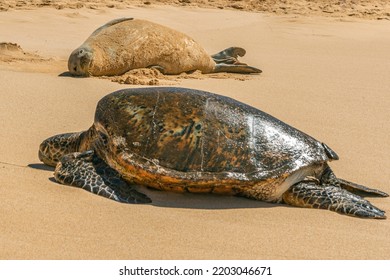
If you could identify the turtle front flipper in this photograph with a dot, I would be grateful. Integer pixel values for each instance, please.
(310, 194)
(227, 61)
(87, 171)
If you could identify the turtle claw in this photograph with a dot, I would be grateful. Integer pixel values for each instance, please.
(83, 156)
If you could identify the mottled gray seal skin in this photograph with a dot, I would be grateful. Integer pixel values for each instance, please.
(125, 44)
(178, 139)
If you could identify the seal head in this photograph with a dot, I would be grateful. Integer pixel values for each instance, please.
(79, 62)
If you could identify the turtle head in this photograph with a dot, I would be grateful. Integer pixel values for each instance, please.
(79, 61)
(54, 148)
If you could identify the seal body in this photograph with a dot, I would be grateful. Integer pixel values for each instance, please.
(125, 44)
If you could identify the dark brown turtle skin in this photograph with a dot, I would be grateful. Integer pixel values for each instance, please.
(178, 139)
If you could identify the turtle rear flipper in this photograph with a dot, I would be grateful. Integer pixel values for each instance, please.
(328, 177)
(310, 194)
(227, 61)
(87, 171)
(356, 188)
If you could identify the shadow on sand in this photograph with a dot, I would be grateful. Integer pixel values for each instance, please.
(41, 166)
(184, 200)
(68, 74)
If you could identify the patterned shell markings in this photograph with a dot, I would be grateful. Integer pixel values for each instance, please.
(206, 133)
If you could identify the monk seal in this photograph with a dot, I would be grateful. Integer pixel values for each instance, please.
(127, 43)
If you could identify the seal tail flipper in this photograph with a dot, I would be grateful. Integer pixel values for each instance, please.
(87, 171)
(310, 194)
(231, 68)
(227, 61)
(229, 55)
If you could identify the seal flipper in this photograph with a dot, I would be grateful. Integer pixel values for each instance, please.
(229, 55)
(227, 61)
(310, 194)
(87, 171)
(110, 23)
(232, 68)
(157, 67)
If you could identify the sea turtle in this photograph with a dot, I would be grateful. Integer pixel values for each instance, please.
(126, 43)
(178, 139)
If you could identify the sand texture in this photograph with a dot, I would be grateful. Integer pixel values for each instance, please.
(325, 76)
(368, 9)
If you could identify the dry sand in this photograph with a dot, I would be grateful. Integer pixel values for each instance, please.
(368, 9)
(325, 76)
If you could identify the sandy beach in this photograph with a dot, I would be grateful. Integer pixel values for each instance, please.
(327, 75)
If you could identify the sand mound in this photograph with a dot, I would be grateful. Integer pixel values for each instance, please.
(9, 48)
(142, 76)
(12, 52)
(13, 57)
(149, 76)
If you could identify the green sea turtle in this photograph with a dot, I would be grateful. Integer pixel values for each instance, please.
(178, 139)
(126, 43)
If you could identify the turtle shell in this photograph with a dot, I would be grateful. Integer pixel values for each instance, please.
(174, 136)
